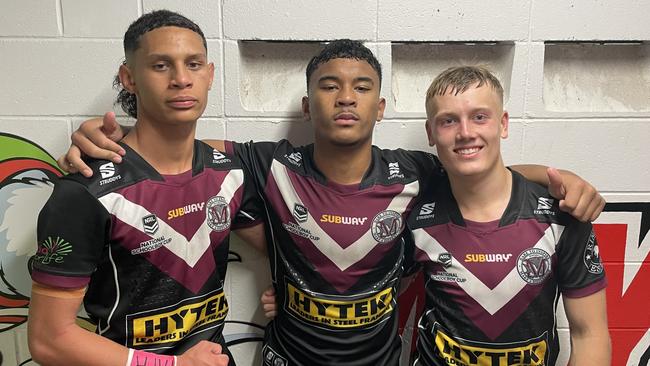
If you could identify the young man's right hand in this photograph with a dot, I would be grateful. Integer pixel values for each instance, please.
(96, 138)
(204, 353)
(268, 303)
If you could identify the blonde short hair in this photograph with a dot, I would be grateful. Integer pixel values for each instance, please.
(458, 79)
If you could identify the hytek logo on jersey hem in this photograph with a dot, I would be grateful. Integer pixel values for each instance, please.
(52, 250)
(170, 324)
(338, 312)
(531, 352)
(107, 172)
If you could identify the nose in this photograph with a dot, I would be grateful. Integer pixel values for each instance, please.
(464, 130)
(181, 78)
(346, 97)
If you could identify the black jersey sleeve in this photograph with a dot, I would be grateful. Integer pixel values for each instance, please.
(72, 232)
(252, 208)
(580, 270)
(411, 264)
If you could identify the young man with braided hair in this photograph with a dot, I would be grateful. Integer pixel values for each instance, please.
(144, 244)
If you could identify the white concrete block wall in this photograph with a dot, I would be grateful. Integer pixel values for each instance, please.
(576, 73)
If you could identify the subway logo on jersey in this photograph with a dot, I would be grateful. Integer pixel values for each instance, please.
(170, 324)
(462, 352)
(340, 312)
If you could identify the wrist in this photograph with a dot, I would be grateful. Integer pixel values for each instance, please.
(142, 358)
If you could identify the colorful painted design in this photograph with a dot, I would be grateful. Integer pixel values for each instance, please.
(53, 250)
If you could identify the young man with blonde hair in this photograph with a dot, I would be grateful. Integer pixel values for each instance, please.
(496, 250)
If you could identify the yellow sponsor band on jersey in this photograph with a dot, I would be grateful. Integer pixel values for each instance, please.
(172, 325)
(464, 353)
(340, 314)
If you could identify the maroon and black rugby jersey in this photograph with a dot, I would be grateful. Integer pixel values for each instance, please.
(492, 288)
(152, 249)
(336, 254)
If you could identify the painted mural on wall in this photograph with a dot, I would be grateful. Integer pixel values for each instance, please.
(27, 173)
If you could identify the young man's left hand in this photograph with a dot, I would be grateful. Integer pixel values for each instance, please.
(577, 197)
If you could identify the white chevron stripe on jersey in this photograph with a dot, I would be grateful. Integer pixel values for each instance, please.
(189, 251)
(492, 300)
(343, 258)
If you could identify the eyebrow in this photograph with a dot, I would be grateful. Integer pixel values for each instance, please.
(336, 78)
(167, 57)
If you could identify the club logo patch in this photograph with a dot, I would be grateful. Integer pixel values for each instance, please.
(300, 212)
(534, 265)
(150, 224)
(218, 213)
(386, 226)
(592, 257)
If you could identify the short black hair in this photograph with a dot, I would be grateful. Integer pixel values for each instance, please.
(146, 23)
(343, 48)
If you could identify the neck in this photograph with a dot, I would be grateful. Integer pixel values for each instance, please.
(343, 164)
(485, 197)
(167, 148)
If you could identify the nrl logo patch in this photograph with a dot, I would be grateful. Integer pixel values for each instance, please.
(444, 259)
(300, 212)
(150, 224)
(534, 265)
(386, 226)
(218, 213)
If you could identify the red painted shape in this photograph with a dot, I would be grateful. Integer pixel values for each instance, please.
(414, 294)
(628, 314)
(10, 167)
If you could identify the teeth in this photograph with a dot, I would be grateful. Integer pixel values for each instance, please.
(468, 151)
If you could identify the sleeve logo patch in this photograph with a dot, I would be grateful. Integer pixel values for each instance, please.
(592, 256)
(52, 250)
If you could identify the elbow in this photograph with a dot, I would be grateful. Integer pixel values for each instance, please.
(40, 348)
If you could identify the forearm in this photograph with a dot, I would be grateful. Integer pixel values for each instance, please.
(55, 338)
(532, 172)
(591, 350)
(74, 346)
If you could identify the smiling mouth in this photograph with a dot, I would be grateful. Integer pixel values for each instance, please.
(465, 151)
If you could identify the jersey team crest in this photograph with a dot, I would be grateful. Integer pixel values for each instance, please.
(218, 213)
(386, 226)
(534, 265)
